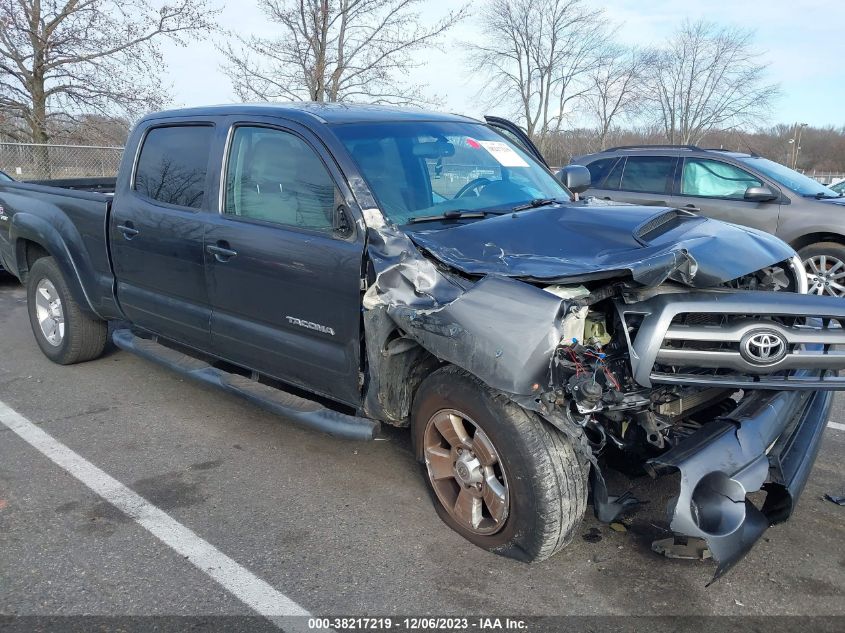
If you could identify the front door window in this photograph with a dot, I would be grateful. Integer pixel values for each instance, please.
(715, 179)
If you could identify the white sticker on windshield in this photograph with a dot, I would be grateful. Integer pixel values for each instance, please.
(503, 153)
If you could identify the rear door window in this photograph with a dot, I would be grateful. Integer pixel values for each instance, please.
(173, 164)
(649, 174)
(715, 179)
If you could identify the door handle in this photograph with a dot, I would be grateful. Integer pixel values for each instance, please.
(128, 230)
(606, 198)
(221, 251)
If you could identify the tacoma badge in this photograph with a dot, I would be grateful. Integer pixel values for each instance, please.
(309, 325)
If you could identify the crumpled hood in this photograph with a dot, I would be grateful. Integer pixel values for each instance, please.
(583, 241)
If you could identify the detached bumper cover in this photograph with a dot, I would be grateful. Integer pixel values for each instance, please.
(768, 443)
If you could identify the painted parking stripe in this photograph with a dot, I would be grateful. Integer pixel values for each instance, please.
(236, 579)
(836, 425)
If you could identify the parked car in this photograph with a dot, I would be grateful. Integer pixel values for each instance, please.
(528, 339)
(735, 187)
(839, 188)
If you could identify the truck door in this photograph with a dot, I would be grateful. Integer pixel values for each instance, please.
(156, 232)
(515, 134)
(284, 282)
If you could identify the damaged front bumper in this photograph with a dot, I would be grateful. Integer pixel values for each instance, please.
(769, 443)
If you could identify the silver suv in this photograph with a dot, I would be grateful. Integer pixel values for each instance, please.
(740, 188)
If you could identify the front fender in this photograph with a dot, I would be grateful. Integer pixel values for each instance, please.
(795, 230)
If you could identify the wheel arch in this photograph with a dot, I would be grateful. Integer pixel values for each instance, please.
(814, 238)
(397, 366)
(33, 238)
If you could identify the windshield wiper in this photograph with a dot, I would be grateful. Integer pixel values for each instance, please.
(821, 195)
(452, 214)
(536, 202)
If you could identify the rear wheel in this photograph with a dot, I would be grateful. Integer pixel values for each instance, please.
(63, 332)
(500, 476)
(825, 266)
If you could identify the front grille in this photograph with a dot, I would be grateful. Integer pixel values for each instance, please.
(720, 339)
(698, 318)
(753, 345)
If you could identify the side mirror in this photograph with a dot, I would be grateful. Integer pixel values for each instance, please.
(576, 178)
(759, 194)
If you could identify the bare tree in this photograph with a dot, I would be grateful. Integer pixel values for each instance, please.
(335, 50)
(537, 55)
(708, 77)
(616, 88)
(60, 58)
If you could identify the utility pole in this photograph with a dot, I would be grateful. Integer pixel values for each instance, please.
(796, 143)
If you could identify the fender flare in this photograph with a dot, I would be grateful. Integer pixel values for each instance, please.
(26, 226)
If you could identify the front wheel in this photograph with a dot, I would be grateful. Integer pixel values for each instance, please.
(64, 333)
(499, 475)
(824, 263)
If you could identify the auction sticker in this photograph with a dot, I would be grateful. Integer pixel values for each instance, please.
(503, 153)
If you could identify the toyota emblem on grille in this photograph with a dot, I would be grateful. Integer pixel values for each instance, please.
(763, 347)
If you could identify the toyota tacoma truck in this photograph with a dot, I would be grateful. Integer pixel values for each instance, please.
(351, 266)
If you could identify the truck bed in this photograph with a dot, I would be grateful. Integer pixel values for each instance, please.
(32, 213)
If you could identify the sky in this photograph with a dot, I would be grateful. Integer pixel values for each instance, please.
(803, 41)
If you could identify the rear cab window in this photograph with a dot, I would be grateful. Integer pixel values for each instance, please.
(173, 164)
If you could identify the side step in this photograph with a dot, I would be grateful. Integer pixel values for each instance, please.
(302, 411)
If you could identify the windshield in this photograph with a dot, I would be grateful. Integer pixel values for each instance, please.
(4, 176)
(789, 178)
(421, 169)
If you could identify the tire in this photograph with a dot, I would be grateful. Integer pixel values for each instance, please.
(833, 273)
(82, 338)
(546, 486)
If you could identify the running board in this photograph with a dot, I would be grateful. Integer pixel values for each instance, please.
(300, 410)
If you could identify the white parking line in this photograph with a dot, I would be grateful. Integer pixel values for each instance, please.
(237, 580)
(836, 425)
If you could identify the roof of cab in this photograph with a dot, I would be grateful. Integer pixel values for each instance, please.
(331, 113)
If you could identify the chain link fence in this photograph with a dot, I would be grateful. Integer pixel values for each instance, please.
(824, 177)
(31, 161)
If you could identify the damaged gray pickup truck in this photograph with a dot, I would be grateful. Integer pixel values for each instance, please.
(347, 266)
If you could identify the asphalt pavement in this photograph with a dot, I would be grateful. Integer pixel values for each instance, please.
(338, 527)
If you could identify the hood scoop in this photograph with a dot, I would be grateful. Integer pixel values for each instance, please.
(660, 224)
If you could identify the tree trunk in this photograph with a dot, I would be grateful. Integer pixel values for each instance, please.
(38, 130)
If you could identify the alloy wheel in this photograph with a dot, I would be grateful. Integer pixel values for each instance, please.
(825, 275)
(466, 472)
(49, 312)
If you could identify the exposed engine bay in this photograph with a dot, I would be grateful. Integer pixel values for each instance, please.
(596, 388)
